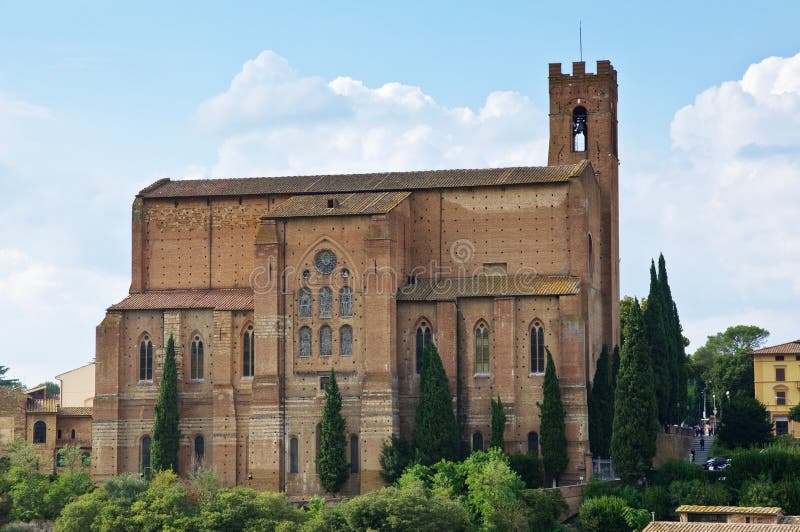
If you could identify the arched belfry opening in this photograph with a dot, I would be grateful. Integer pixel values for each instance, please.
(579, 129)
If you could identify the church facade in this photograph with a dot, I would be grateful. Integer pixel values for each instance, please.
(268, 283)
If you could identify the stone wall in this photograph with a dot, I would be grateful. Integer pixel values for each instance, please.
(674, 445)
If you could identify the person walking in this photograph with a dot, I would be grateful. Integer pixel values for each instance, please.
(691, 452)
(702, 443)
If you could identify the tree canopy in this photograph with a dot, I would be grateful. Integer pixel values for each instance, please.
(745, 422)
(601, 407)
(436, 435)
(553, 437)
(166, 434)
(7, 382)
(332, 452)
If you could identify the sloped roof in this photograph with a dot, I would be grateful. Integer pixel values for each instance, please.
(220, 299)
(787, 348)
(345, 204)
(377, 182)
(448, 288)
(747, 510)
(672, 526)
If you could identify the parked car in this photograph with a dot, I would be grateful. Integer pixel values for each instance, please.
(717, 463)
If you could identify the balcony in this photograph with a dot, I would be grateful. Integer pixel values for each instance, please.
(42, 405)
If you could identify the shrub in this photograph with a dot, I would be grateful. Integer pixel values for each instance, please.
(528, 467)
(657, 499)
(494, 492)
(162, 505)
(773, 463)
(697, 492)
(82, 514)
(544, 508)
(244, 508)
(603, 513)
(761, 493)
(598, 488)
(673, 470)
(64, 489)
(395, 457)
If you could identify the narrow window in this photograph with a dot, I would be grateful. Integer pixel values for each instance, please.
(146, 359)
(72, 434)
(780, 374)
(58, 434)
(346, 302)
(477, 441)
(579, 129)
(319, 444)
(482, 349)
(248, 352)
(325, 302)
(293, 455)
(353, 453)
(325, 341)
(591, 257)
(533, 443)
(145, 463)
(196, 370)
(304, 303)
(305, 342)
(40, 432)
(537, 348)
(423, 341)
(780, 398)
(346, 340)
(199, 450)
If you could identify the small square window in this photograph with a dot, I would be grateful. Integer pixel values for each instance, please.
(780, 374)
(780, 398)
(323, 383)
(778, 358)
(797, 357)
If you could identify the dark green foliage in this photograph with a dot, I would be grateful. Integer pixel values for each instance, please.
(553, 437)
(603, 513)
(633, 441)
(723, 363)
(436, 435)
(163, 505)
(527, 466)
(656, 499)
(674, 470)
(745, 422)
(794, 413)
(52, 388)
(659, 349)
(332, 452)
(242, 508)
(600, 488)
(676, 347)
(494, 492)
(784, 494)
(774, 464)
(601, 408)
(544, 509)
(395, 457)
(70, 484)
(699, 492)
(8, 382)
(166, 434)
(498, 423)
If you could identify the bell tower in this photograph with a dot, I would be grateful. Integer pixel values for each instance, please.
(583, 125)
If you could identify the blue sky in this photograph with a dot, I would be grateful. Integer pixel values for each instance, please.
(99, 99)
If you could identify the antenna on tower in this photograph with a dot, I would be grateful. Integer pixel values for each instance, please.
(580, 38)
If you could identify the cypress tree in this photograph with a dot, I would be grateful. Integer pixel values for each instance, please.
(436, 435)
(332, 452)
(656, 337)
(633, 438)
(553, 434)
(601, 408)
(166, 434)
(498, 423)
(677, 350)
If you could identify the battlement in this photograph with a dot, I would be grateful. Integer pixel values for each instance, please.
(604, 70)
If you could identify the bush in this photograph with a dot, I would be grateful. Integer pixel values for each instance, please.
(162, 505)
(494, 492)
(544, 508)
(673, 470)
(773, 463)
(396, 456)
(697, 492)
(64, 489)
(598, 488)
(528, 467)
(656, 499)
(603, 513)
(244, 508)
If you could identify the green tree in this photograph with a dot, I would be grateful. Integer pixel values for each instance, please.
(498, 423)
(676, 347)
(553, 434)
(723, 363)
(332, 452)
(633, 438)
(166, 434)
(745, 422)
(436, 435)
(794, 413)
(601, 408)
(8, 382)
(164, 505)
(605, 513)
(396, 455)
(655, 326)
(494, 492)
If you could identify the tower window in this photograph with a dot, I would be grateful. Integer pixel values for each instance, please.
(353, 453)
(199, 450)
(196, 362)
(579, 129)
(482, 349)
(146, 359)
(423, 341)
(537, 348)
(248, 352)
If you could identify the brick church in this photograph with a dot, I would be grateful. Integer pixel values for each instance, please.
(267, 283)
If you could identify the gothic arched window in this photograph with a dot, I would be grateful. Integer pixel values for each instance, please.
(345, 302)
(482, 349)
(533, 443)
(199, 450)
(346, 340)
(248, 352)
(325, 302)
(146, 359)
(423, 341)
(477, 441)
(145, 455)
(353, 453)
(325, 341)
(579, 129)
(293, 452)
(196, 359)
(72, 434)
(40, 432)
(305, 341)
(537, 348)
(304, 303)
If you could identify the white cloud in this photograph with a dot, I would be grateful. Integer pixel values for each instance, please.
(277, 122)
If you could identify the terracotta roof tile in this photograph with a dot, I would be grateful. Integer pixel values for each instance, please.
(749, 510)
(787, 348)
(345, 204)
(386, 181)
(672, 526)
(448, 288)
(220, 299)
(75, 410)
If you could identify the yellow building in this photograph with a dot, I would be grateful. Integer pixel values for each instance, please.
(777, 382)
